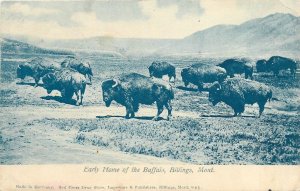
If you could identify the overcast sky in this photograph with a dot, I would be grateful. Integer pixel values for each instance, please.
(131, 18)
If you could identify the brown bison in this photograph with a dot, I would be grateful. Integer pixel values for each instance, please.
(237, 66)
(236, 92)
(261, 65)
(83, 68)
(132, 89)
(277, 63)
(37, 68)
(159, 69)
(68, 82)
(198, 74)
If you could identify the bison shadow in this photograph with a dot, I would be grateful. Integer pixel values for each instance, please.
(59, 99)
(228, 116)
(187, 89)
(149, 118)
(28, 84)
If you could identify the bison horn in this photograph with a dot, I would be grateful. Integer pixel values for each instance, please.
(116, 83)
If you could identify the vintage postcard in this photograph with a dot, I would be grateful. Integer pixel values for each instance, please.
(150, 95)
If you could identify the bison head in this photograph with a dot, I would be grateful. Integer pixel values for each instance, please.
(85, 69)
(261, 66)
(109, 90)
(214, 93)
(269, 64)
(23, 70)
(49, 81)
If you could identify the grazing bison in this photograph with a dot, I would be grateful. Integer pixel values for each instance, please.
(158, 69)
(132, 89)
(198, 74)
(236, 92)
(261, 65)
(68, 82)
(83, 68)
(37, 68)
(277, 63)
(237, 66)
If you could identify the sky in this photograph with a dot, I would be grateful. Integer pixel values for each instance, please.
(131, 18)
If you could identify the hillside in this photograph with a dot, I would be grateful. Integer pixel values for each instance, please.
(16, 47)
(276, 33)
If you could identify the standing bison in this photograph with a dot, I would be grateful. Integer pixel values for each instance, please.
(198, 74)
(158, 69)
(277, 63)
(68, 82)
(132, 89)
(83, 68)
(237, 66)
(236, 92)
(261, 65)
(37, 68)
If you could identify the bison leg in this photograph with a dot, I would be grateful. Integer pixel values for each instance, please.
(261, 108)
(251, 76)
(77, 98)
(160, 109)
(200, 87)
(129, 112)
(186, 83)
(135, 106)
(67, 94)
(246, 76)
(82, 93)
(36, 80)
(293, 72)
(169, 108)
(235, 114)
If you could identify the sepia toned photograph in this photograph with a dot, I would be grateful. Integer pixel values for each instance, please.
(161, 82)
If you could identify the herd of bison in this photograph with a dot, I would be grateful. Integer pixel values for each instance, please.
(72, 75)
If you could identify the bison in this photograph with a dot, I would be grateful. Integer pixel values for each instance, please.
(237, 66)
(132, 89)
(261, 65)
(37, 68)
(277, 63)
(198, 74)
(236, 92)
(68, 82)
(82, 67)
(158, 69)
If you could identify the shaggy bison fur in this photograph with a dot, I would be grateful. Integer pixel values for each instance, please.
(198, 74)
(37, 68)
(159, 69)
(236, 92)
(277, 63)
(83, 68)
(237, 66)
(133, 89)
(68, 82)
(261, 65)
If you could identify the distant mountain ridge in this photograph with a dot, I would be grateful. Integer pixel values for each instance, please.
(275, 34)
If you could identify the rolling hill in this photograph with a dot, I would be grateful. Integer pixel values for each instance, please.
(276, 33)
(16, 47)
